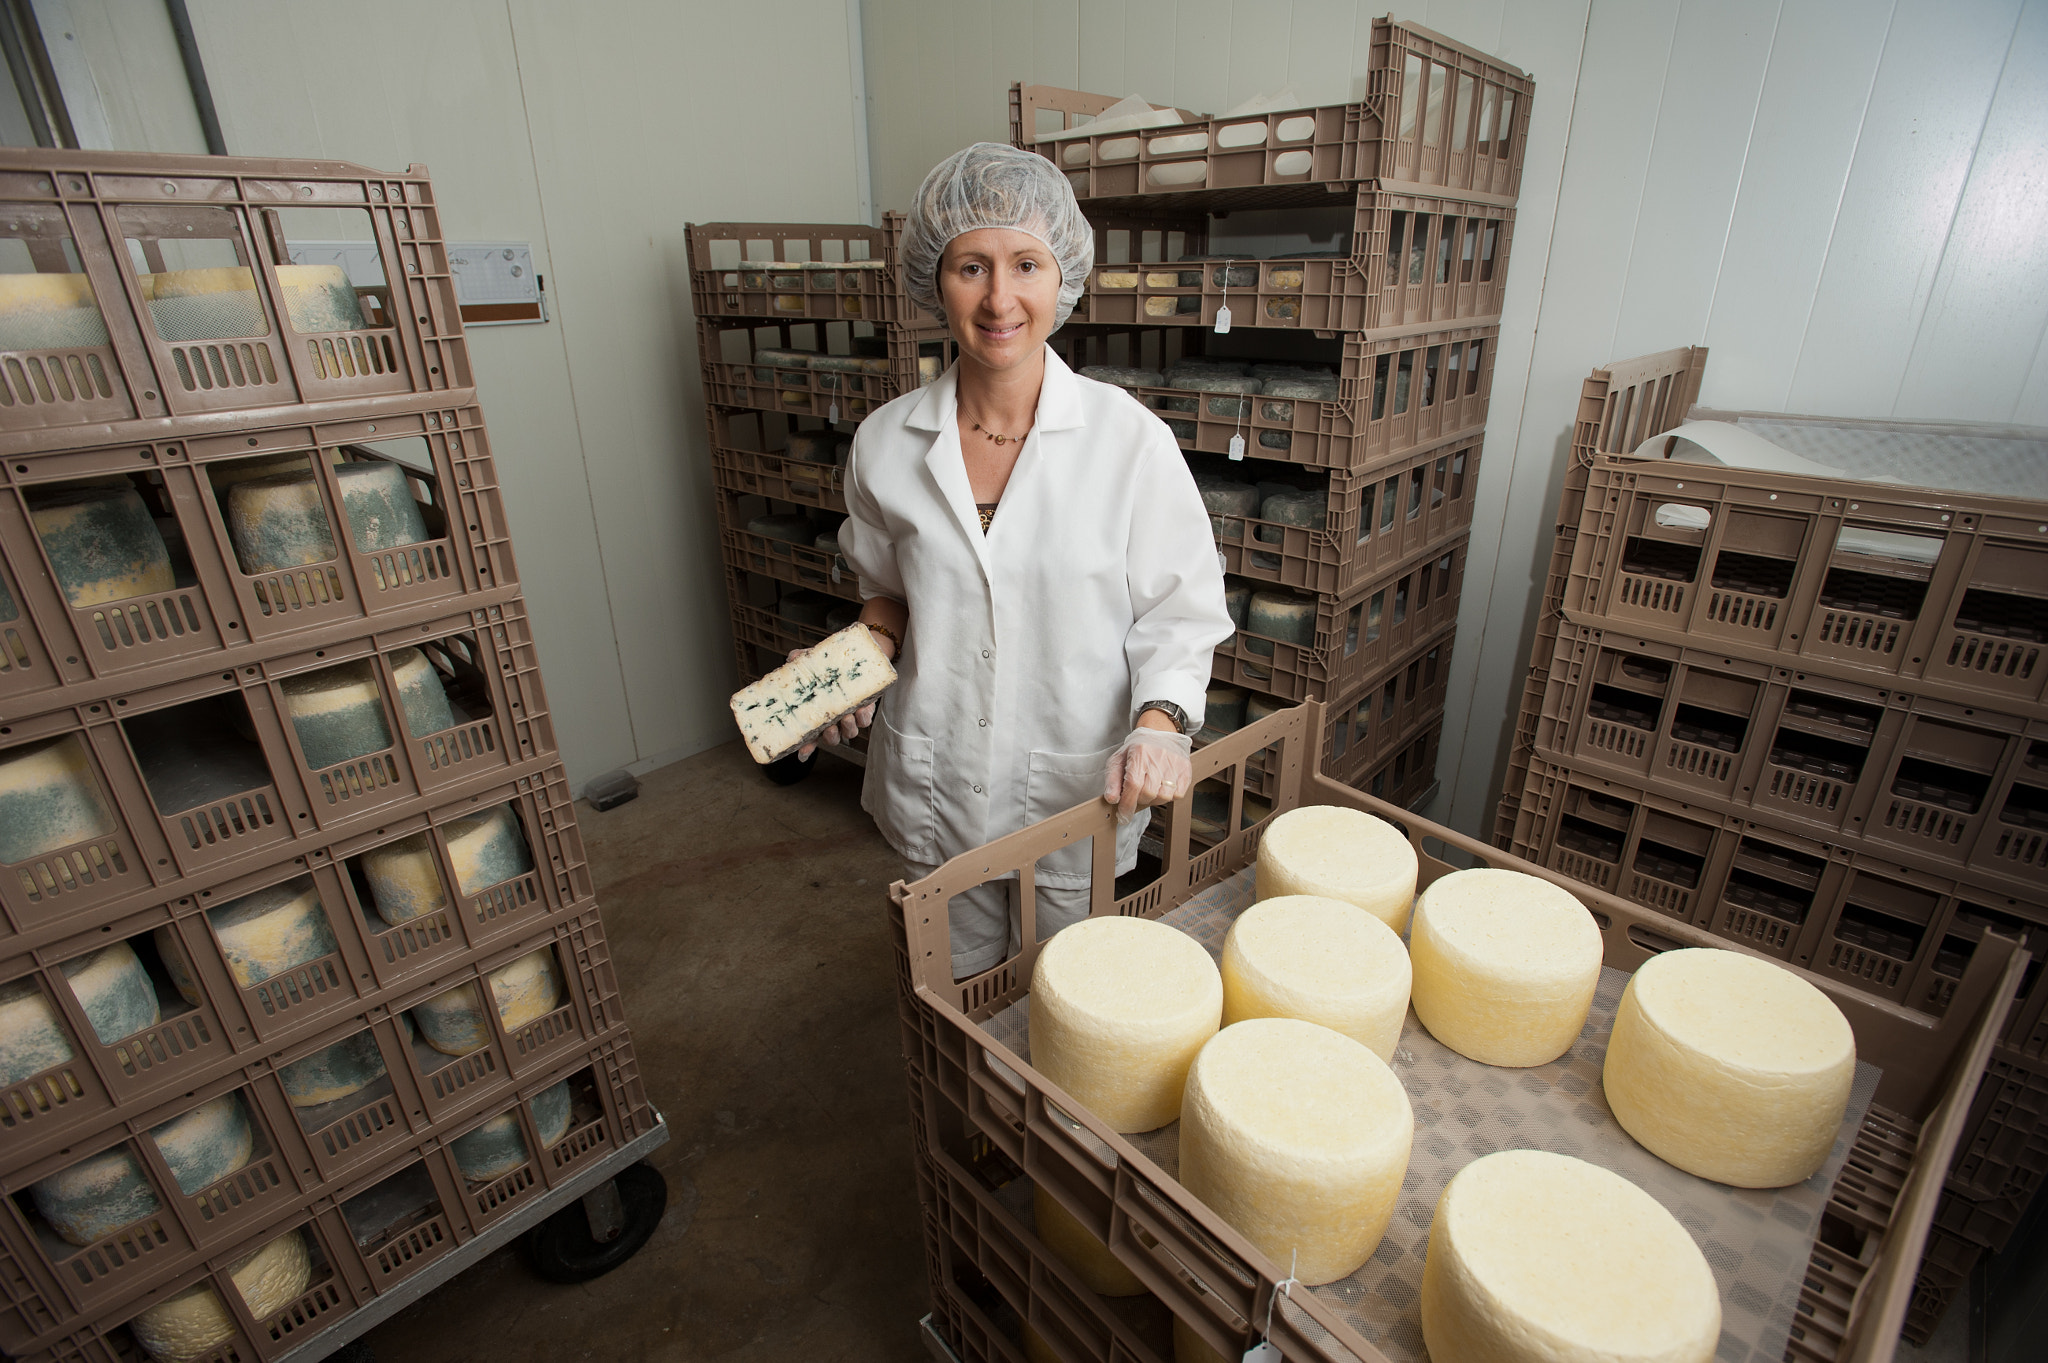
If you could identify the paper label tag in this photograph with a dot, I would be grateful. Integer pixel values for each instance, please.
(1222, 326)
(835, 572)
(832, 412)
(1265, 1351)
(1237, 447)
(1222, 562)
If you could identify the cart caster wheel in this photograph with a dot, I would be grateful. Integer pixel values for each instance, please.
(566, 1247)
(787, 771)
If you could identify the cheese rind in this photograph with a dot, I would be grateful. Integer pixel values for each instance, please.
(114, 989)
(95, 1197)
(206, 1144)
(1322, 961)
(1298, 1138)
(49, 798)
(405, 880)
(378, 505)
(421, 693)
(1119, 1008)
(487, 849)
(31, 1038)
(1505, 966)
(278, 523)
(102, 544)
(1730, 1067)
(192, 1324)
(273, 930)
(348, 1066)
(1079, 1250)
(1339, 854)
(337, 714)
(843, 672)
(1545, 1258)
(499, 1146)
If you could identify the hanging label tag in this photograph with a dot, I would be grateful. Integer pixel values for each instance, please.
(1222, 563)
(835, 572)
(832, 412)
(1222, 326)
(1237, 447)
(1265, 1351)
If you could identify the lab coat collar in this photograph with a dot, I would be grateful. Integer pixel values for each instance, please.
(1059, 399)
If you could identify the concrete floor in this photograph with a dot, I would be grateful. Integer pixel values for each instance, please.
(749, 927)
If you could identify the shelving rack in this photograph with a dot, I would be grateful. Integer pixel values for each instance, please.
(230, 483)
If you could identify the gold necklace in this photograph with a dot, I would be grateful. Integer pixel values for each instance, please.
(999, 439)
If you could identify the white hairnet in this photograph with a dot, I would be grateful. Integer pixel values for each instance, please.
(993, 185)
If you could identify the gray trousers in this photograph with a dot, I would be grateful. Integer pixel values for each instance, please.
(987, 926)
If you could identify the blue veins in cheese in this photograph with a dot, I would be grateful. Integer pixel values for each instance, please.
(49, 798)
(499, 1146)
(779, 712)
(102, 544)
(378, 505)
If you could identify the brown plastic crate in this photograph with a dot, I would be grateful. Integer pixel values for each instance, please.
(1378, 517)
(135, 360)
(728, 351)
(1943, 1280)
(1855, 1286)
(216, 608)
(1766, 580)
(1355, 635)
(1437, 114)
(1413, 260)
(827, 271)
(795, 565)
(2003, 1155)
(749, 454)
(1623, 404)
(1397, 393)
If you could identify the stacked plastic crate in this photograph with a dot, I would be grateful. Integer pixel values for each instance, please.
(1331, 405)
(803, 329)
(1808, 715)
(305, 999)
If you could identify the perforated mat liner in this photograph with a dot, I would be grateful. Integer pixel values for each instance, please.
(1757, 1241)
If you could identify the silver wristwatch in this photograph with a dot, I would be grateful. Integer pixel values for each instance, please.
(1172, 712)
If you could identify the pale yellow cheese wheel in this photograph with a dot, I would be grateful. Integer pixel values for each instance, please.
(1505, 966)
(1077, 1248)
(1339, 854)
(196, 1321)
(1542, 1258)
(1730, 1067)
(1119, 1007)
(1320, 960)
(1298, 1137)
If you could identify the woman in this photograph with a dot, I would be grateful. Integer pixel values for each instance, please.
(1032, 554)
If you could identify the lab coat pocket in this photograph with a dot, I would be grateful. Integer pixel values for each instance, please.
(898, 791)
(1057, 782)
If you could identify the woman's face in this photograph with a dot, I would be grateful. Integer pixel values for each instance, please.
(1001, 290)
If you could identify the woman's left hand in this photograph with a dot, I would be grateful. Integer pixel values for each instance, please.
(1152, 767)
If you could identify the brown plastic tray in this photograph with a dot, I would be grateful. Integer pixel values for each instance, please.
(217, 610)
(1397, 393)
(1853, 1300)
(1355, 635)
(772, 475)
(733, 271)
(727, 351)
(1414, 260)
(1438, 116)
(793, 564)
(98, 213)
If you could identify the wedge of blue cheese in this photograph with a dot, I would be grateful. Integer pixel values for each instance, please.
(777, 713)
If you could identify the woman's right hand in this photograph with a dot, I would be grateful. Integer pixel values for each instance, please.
(844, 729)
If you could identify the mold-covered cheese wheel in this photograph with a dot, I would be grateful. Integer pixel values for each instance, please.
(1541, 1256)
(378, 505)
(31, 1037)
(1225, 498)
(453, 1021)
(348, 1066)
(279, 523)
(405, 880)
(320, 298)
(1340, 854)
(114, 989)
(1079, 1250)
(421, 693)
(337, 713)
(1298, 1138)
(261, 935)
(102, 544)
(208, 1143)
(1237, 600)
(1322, 961)
(1505, 966)
(191, 1325)
(1730, 1067)
(812, 447)
(1283, 616)
(1119, 1007)
(487, 849)
(499, 1146)
(95, 1197)
(49, 798)
(49, 312)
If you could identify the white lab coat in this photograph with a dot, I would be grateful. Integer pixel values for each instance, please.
(1097, 588)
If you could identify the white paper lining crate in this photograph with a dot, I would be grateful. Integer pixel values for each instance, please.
(755, 364)
(818, 271)
(169, 291)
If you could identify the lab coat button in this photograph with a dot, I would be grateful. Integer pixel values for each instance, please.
(977, 790)
(984, 653)
(984, 724)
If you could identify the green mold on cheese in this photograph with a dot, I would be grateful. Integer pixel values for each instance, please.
(193, 1324)
(49, 312)
(1304, 389)
(1306, 510)
(498, 1147)
(102, 544)
(337, 713)
(453, 1021)
(114, 991)
(1227, 497)
(1121, 376)
(95, 1197)
(279, 523)
(1257, 708)
(319, 298)
(377, 503)
(487, 849)
(405, 880)
(205, 1145)
(421, 693)
(348, 1066)
(1283, 616)
(32, 1039)
(262, 935)
(49, 798)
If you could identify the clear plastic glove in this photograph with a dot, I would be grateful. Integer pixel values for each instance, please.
(1152, 767)
(844, 729)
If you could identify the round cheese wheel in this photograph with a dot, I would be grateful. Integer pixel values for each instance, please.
(95, 1197)
(1505, 966)
(1280, 615)
(194, 1323)
(1322, 961)
(272, 931)
(1119, 1007)
(1237, 600)
(1223, 710)
(319, 298)
(527, 989)
(405, 880)
(1076, 1247)
(1730, 1067)
(31, 1037)
(337, 713)
(377, 503)
(499, 1146)
(279, 523)
(115, 990)
(102, 544)
(487, 849)
(453, 1021)
(1298, 1138)
(206, 1144)
(421, 693)
(1339, 854)
(1535, 1256)
(49, 798)
(347, 1067)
